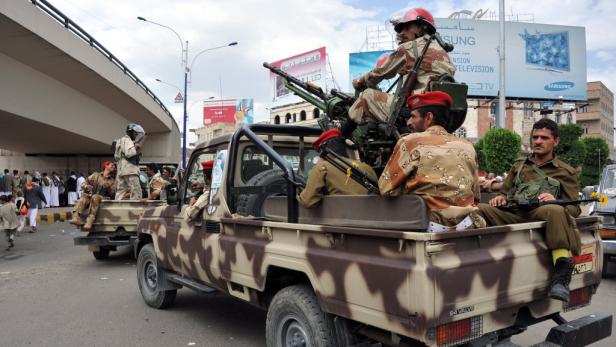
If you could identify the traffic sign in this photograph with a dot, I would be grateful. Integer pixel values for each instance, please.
(179, 99)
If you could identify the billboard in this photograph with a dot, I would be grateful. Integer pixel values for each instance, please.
(542, 61)
(308, 67)
(228, 111)
(362, 62)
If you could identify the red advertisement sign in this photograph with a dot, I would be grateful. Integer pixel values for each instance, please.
(216, 111)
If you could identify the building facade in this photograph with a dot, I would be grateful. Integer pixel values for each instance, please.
(208, 132)
(597, 117)
(300, 113)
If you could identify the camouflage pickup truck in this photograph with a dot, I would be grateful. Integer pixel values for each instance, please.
(115, 225)
(356, 270)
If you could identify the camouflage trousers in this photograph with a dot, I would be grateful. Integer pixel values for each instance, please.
(560, 228)
(88, 205)
(371, 106)
(128, 184)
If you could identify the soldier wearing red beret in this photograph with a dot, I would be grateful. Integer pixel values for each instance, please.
(438, 166)
(202, 196)
(99, 186)
(325, 179)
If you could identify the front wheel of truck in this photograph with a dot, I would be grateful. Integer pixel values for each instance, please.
(147, 278)
(294, 318)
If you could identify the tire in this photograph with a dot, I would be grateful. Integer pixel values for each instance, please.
(147, 276)
(252, 204)
(294, 318)
(101, 254)
(606, 264)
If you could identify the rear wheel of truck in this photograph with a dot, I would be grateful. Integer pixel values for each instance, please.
(606, 266)
(101, 254)
(147, 278)
(294, 318)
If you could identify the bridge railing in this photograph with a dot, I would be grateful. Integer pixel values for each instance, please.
(82, 34)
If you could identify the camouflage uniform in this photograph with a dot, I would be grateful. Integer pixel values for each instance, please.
(103, 188)
(128, 173)
(439, 167)
(193, 210)
(9, 222)
(325, 179)
(374, 104)
(561, 230)
(156, 185)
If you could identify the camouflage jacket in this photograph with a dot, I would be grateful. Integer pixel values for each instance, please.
(101, 185)
(435, 63)
(555, 168)
(155, 186)
(325, 179)
(125, 148)
(438, 166)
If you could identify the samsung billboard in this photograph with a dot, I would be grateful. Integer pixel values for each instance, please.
(542, 61)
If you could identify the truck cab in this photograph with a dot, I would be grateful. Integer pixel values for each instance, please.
(607, 189)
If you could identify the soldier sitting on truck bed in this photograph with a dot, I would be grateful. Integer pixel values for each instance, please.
(202, 196)
(543, 176)
(99, 186)
(413, 31)
(156, 183)
(325, 179)
(436, 165)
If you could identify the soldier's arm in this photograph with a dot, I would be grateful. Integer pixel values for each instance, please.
(394, 63)
(128, 147)
(508, 182)
(157, 187)
(402, 163)
(313, 193)
(570, 188)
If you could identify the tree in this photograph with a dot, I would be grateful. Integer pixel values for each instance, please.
(571, 150)
(501, 147)
(481, 162)
(597, 153)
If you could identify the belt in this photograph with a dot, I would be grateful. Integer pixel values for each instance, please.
(440, 228)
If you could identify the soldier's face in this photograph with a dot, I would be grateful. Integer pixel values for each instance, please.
(543, 141)
(409, 32)
(417, 123)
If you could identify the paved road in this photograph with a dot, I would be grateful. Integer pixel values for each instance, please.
(55, 294)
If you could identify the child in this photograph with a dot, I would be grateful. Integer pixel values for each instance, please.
(8, 220)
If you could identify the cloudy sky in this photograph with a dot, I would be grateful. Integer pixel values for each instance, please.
(275, 29)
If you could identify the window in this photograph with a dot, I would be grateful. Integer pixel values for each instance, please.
(461, 132)
(287, 118)
(294, 117)
(255, 161)
(196, 180)
(494, 108)
(302, 115)
(277, 119)
(316, 113)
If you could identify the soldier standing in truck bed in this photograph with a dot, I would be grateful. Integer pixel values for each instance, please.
(543, 176)
(438, 166)
(326, 179)
(127, 154)
(99, 186)
(414, 29)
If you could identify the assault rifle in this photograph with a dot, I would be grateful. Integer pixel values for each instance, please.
(351, 171)
(523, 204)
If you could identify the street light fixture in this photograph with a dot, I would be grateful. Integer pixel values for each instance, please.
(169, 84)
(186, 73)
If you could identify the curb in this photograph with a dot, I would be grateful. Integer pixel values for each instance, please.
(50, 218)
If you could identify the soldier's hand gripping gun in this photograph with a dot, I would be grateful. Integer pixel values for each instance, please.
(352, 171)
(526, 205)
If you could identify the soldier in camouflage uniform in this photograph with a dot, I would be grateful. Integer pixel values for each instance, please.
(543, 176)
(436, 165)
(201, 199)
(127, 154)
(99, 186)
(8, 220)
(414, 30)
(326, 179)
(156, 184)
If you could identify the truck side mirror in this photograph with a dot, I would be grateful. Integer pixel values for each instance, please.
(172, 193)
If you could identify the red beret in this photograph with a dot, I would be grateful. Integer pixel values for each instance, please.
(436, 98)
(326, 136)
(107, 162)
(207, 165)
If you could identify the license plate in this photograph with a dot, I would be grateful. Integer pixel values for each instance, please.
(585, 262)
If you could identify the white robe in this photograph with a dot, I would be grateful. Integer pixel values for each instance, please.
(54, 200)
(47, 193)
(80, 180)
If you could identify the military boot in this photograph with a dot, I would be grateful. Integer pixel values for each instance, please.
(89, 222)
(76, 220)
(559, 283)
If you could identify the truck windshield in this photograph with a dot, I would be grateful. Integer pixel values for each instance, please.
(609, 183)
(255, 161)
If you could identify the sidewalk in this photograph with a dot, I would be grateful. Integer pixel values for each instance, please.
(54, 214)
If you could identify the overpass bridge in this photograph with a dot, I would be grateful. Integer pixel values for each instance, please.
(62, 94)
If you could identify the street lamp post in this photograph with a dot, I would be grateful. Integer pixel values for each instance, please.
(187, 70)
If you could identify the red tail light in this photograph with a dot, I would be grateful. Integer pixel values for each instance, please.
(460, 331)
(578, 298)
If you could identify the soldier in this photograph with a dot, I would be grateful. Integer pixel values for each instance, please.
(436, 165)
(7, 183)
(8, 220)
(99, 186)
(127, 153)
(543, 176)
(414, 29)
(200, 200)
(326, 179)
(156, 184)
